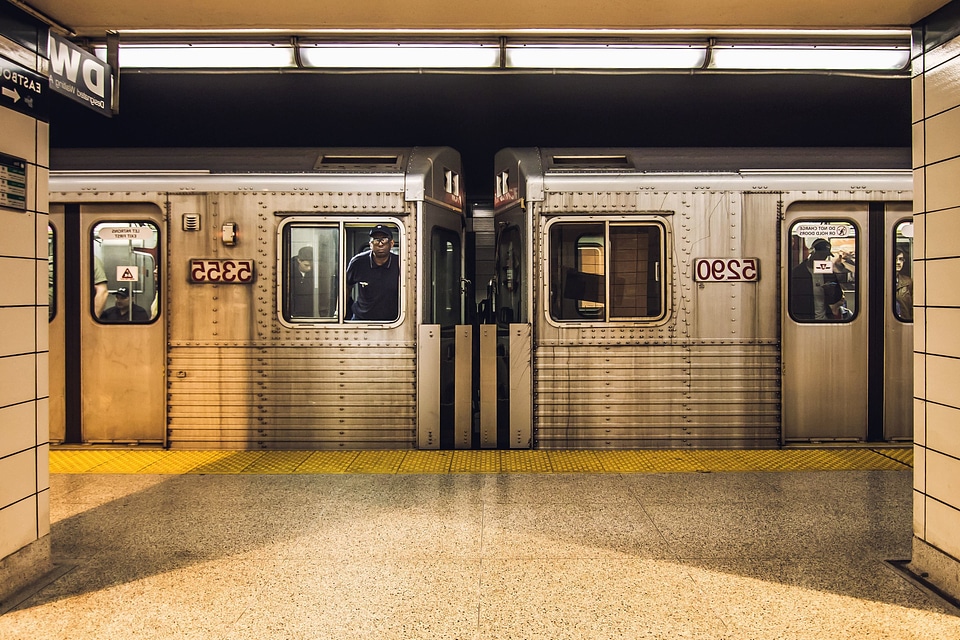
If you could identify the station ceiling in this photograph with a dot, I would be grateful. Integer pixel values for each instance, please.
(479, 114)
(92, 18)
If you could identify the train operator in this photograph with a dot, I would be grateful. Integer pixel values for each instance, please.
(376, 274)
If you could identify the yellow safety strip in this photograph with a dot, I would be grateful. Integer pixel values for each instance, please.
(157, 461)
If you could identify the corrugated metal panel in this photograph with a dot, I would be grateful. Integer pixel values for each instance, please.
(304, 396)
(623, 396)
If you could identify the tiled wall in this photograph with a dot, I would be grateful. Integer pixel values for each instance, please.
(936, 157)
(24, 448)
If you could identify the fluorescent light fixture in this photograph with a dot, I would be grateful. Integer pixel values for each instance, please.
(787, 57)
(401, 56)
(612, 56)
(204, 56)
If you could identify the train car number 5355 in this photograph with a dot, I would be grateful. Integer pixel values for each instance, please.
(726, 270)
(221, 271)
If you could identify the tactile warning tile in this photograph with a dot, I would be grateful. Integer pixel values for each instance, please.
(132, 461)
(901, 455)
(74, 461)
(475, 462)
(233, 462)
(575, 461)
(184, 461)
(327, 462)
(426, 462)
(376, 462)
(525, 462)
(278, 462)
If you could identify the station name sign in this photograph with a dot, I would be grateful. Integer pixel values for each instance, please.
(80, 75)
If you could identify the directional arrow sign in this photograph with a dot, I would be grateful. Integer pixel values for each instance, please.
(23, 90)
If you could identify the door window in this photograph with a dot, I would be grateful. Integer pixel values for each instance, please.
(903, 271)
(443, 297)
(125, 272)
(823, 271)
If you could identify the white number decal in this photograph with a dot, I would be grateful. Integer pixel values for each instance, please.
(726, 270)
(225, 271)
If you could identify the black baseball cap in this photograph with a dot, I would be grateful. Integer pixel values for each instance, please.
(122, 292)
(382, 230)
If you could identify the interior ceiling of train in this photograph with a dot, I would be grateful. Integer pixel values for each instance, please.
(481, 111)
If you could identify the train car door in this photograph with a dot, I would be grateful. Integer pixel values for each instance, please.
(107, 338)
(842, 337)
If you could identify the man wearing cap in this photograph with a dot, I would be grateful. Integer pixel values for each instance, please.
(815, 295)
(301, 283)
(376, 275)
(123, 310)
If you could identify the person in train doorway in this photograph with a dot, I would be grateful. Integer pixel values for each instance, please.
(376, 275)
(123, 310)
(816, 295)
(301, 283)
(903, 298)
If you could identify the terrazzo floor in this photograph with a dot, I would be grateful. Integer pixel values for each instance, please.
(748, 555)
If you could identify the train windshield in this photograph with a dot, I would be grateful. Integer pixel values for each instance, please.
(606, 271)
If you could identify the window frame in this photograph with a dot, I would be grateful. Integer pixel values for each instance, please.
(664, 274)
(791, 298)
(96, 253)
(342, 224)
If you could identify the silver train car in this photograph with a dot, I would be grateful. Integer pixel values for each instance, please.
(699, 298)
(209, 298)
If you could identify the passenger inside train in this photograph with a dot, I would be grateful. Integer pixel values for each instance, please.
(374, 277)
(123, 310)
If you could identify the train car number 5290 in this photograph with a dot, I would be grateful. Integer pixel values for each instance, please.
(221, 271)
(726, 270)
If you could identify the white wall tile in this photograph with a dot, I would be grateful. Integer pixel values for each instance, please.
(42, 281)
(942, 375)
(19, 525)
(919, 469)
(919, 231)
(920, 376)
(43, 513)
(941, 278)
(42, 386)
(43, 145)
(942, 187)
(19, 135)
(919, 328)
(916, 93)
(942, 523)
(942, 429)
(919, 191)
(18, 380)
(920, 283)
(43, 421)
(919, 422)
(942, 334)
(941, 136)
(40, 234)
(42, 465)
(18, 286)
(919, 152)
(42, 328)
(942, 87)
(943, 229)
(19, 473)
(18, 233)
(918, 515)
(18, 327)
(17, 432)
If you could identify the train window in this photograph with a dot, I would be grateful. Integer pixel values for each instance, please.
(311, 271)
(318, 285)
(606, 271)
(51, 273)
(443, 296)
(510, 301)
(125, 272)
(903, 271)
(823, 271)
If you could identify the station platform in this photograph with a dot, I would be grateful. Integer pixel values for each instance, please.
(479, 545)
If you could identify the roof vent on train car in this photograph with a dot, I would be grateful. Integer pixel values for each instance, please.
(591, 162)
(191, 222)
(356, 161)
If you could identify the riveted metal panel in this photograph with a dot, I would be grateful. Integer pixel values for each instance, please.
(520, 387)
(428, 385)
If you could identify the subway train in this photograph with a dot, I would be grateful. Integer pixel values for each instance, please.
(604, 299)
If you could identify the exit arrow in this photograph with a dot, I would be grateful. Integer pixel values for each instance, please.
(13, 94)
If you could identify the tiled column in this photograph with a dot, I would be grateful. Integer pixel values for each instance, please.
(24, 448)
(936, 159)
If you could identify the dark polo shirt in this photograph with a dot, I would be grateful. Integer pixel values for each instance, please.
(378, 296)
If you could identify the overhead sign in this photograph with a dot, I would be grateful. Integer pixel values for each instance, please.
(126, 233)
(22, 90)
(80, 75)
(821, 230)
